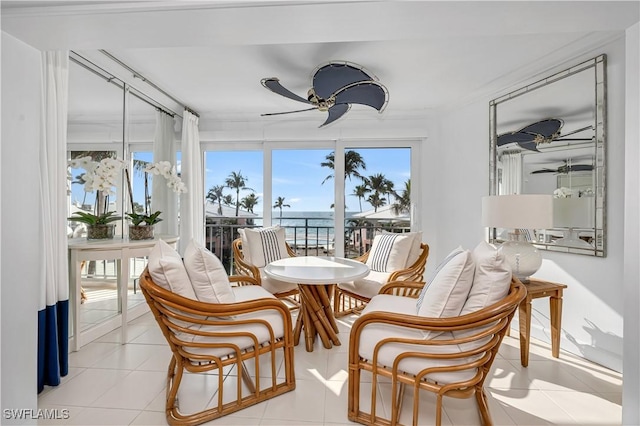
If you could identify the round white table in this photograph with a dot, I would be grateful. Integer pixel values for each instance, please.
(315, 275)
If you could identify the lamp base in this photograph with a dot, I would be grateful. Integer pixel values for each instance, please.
(571, 239)
(525, 259)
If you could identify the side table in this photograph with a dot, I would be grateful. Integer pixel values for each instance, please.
(536, 289)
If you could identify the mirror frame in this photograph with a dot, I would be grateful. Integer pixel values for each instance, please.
(599, 65)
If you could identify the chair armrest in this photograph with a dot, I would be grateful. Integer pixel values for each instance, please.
(362, 258)
(414, 272)
(247, 269)
(403, 288)
(243, 280)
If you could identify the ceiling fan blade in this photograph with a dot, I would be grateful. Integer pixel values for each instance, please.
(549, 128)
(274, 85)
(336, 112)
(535, 172)
(369, 93)
(524, 140)
(331, 77)
(287, 112)
(580, 167)
(514, 137)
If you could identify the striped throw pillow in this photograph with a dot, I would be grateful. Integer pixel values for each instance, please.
(389, 252)
(265, 245)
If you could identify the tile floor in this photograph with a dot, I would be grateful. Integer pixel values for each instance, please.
(114, 384)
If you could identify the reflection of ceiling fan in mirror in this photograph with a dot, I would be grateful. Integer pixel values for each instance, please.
(567, 167)
(335, 86)
(540, 132)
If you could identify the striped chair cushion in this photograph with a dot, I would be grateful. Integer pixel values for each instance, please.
(265, 245)
(389, 252)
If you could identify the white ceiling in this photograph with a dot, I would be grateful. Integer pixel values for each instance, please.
(211, 55)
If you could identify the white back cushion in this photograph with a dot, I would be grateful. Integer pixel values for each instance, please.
(245, 252)
(265, 245)
(415, 251)
(389, 252)
(445, 293)
(167, 270)
(492, 278)
(208, 277)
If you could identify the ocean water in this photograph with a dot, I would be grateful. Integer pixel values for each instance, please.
(308, 229)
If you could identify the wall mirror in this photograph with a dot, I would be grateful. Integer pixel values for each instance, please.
(549, 138)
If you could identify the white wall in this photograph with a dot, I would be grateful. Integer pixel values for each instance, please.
(631, 286)
(593, 303)
(20, 224)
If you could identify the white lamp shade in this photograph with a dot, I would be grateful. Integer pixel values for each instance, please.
(531, 211)
(573, 212)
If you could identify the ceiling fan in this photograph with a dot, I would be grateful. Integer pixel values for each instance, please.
(335, 86)
(540, 132)
(566, 168)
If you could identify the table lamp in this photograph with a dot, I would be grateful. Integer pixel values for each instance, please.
(572, 213)
(515, 212)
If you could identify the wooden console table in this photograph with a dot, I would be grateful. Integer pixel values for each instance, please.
(536, 289)
(122, 250)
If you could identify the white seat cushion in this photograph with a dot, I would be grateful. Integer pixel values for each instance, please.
(275, 286)
(389, 252)
(241, 294)
(446, 291)
(208, 277)
(264, 245)
(368, 286)
(167, 270)
(491, 280)
(374, 333)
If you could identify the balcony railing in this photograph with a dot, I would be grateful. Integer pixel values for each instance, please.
(306, 236)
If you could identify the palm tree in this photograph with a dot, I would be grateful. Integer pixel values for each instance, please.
(279, 204)
(352, 162)
(376, 201)
(215, 194)
(403, 201)
(236, 181)
(227, 200)
(361, 191)
(249, 202)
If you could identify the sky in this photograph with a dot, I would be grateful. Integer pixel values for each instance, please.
(297, 176)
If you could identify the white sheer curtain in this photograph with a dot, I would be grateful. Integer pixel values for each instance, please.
(162, 197)
(53, 313)
(192, 202)
(511, 165)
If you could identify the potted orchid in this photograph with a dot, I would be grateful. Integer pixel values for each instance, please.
(141, 227)
(100, 177)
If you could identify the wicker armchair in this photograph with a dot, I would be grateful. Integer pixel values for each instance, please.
(279, 289)
(453, 361)
(248, 336)
(353, 297)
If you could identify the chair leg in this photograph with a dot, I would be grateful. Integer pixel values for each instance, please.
(174, 376)
(397, 408)
(438, 411)
(248, 380)
(481, 398)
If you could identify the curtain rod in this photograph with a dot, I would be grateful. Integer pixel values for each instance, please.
(109, 78)
(136, 74)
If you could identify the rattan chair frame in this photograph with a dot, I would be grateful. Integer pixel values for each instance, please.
(490, 323)
(242, 267)
(346, 302)
(174, 314)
